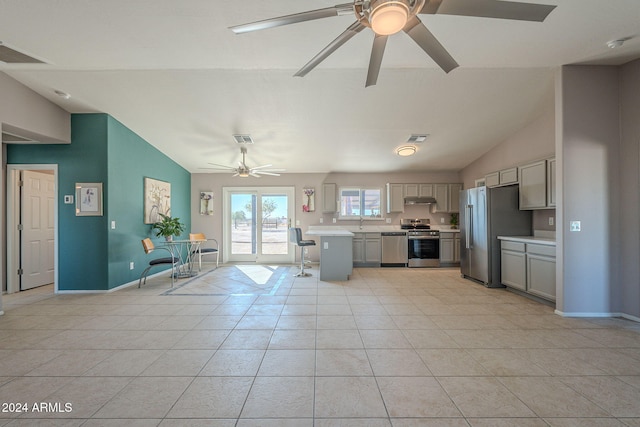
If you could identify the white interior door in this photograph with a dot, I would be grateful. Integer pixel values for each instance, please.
(37, 241)
(256, 224)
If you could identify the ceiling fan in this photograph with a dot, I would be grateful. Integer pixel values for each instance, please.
(243, 171)
(387, 17)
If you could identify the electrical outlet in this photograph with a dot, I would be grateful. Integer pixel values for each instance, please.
(388, 220)
(321, 220)
(334, 220)
(442, 220)
(550, 220)
(131, 265)
(297, 222)
(113, 225)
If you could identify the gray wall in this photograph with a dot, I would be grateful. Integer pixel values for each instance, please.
(629, 212)
(533, 142)
(24, 112)
(588, 167)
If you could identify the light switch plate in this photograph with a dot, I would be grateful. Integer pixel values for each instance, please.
(326, 245)
(388, 220)
(550, 220)
(334, 220)
(574, 226)
(321, 220)
(113, 225)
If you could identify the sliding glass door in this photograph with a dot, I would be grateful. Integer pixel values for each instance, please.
(256, 224)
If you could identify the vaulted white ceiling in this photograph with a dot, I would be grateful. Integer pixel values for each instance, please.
(175, 74)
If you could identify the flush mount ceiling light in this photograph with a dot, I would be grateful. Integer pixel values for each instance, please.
(388, 16)
(406, 150)
(614, 44)
(61, 94)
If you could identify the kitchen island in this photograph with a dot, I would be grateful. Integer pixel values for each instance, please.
(336, 252)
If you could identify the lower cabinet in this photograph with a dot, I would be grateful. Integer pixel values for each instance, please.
(530, 268)
(367, 249)
(449, 248)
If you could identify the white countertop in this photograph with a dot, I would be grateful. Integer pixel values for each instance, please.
(322, 231)
(529, 239)
(370, 228)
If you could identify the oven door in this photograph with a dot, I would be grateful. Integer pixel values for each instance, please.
(424, 251)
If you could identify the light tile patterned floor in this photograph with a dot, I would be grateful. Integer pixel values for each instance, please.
(255, 346)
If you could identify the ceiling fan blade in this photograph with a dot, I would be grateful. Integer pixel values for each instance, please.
(489, 9)
(377, 52)
(267, 173)
(221, 166)
(261, 167)
(353, 29)
(293, 19)
(254, 175)
(427, 41)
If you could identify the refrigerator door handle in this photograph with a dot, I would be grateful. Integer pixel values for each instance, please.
(468, 225)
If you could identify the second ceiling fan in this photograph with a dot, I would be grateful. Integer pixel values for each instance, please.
(387, 17)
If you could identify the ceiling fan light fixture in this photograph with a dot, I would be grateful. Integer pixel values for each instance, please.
(406, 150)
(388, 16)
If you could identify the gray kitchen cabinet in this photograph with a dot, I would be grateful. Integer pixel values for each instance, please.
(425, 190)
(513, 266)
(395, 198)
(441, 193)
(411, 190)
(367, 249)
(529, 267)
(447, 197)
(454, 197)
(533, 186)
(551, 183)
(541, 271)
(329, 198)
(503, 177)
(448, 252)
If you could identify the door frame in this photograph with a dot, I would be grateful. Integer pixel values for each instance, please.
(13, 219)
(226, 217)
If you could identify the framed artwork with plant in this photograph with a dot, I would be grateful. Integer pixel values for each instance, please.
(309, 198)
(206, 203)
(157, 200)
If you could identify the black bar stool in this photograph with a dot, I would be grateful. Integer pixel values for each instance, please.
(295, 236)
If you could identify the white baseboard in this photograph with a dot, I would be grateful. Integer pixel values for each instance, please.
(598, 315)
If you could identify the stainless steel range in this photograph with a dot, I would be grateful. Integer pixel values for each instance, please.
(423, 243)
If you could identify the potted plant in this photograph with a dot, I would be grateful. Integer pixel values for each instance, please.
(168, 227)
(454, 221)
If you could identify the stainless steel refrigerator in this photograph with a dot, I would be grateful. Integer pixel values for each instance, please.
(485, 214)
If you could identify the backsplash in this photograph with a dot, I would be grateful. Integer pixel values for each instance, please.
(541, 220)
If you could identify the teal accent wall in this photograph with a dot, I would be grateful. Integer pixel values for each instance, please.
(92, 256)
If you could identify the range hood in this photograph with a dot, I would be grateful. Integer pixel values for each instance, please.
(419, 201)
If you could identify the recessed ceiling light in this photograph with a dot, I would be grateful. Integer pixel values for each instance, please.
(406, 150)
(61, 94)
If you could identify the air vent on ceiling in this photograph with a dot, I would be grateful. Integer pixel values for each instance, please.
(417, 138)
(243, 139)
(12, 56)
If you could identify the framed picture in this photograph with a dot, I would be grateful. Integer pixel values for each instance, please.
(157, 200)
(206, 203)
(309, 197)
(88, 199)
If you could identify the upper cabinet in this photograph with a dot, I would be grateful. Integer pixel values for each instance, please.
(395, 198)
(329, 198)
(503, 177)
(551, 183)
(447, 197)
(537, 185)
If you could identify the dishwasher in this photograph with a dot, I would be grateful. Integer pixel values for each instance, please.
(394, 249)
